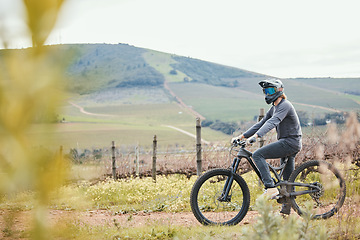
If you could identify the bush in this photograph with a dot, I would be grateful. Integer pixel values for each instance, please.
(169, 194)
(271, 225)
(225, 127)
(173, 72)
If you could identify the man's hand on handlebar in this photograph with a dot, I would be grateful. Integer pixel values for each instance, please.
(252, 139)
(237, 139)
(249, 141)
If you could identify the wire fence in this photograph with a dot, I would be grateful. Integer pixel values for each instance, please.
(137, 161)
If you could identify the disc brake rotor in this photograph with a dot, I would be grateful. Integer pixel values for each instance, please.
(317, 195)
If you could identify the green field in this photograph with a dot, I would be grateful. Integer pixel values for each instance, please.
(226, 104)
(129, 124)
(161, 62)
(121, 89)
(133, 116)
(244, 102)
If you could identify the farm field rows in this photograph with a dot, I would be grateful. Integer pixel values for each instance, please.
(124, 124)
(134, 116)
(244, 102)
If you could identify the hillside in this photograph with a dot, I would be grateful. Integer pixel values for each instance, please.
(97, 67)
(213, 90)
(119, 90)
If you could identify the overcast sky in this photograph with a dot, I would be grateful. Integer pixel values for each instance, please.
(282, 38)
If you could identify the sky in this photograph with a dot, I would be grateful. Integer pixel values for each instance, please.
(281, 38)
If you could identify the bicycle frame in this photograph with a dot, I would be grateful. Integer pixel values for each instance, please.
(243, 153)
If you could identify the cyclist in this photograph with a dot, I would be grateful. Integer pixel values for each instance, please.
(283, 117)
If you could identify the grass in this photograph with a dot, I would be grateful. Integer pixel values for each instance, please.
(227, 104)
(339, 84)
(244, 102)
(171, 194)
(130, 125)
(302, 93)
(161, 62)
(137, 114)
(354, 97)
(152, 231)
(99, 135)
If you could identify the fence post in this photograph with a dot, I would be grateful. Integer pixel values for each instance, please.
(261, 116)
(61, 152)
(137, 160)
(198, 146)
(113, 160)
(154, 159)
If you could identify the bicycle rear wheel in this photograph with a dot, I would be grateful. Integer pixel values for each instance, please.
(328, 200)
(205, 195)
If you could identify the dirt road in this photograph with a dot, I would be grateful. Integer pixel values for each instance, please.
(182, 104)
(187, 133)
(82, 110)
(107, 218)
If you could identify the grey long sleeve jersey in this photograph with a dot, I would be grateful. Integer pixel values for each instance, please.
(283, 117)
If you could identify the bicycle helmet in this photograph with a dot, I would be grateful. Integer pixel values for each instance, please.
(272, 88)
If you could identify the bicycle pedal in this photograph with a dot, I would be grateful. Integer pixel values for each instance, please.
(276, 197)
(281, 200)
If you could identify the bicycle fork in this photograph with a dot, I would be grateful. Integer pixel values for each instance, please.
(225, 197)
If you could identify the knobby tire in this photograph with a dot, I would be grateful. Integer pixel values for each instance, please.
(324, 175)
(204, 198)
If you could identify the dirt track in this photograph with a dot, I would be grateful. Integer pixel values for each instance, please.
(22, 219)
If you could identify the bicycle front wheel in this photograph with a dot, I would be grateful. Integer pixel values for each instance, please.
(330, 185)
(206, 203)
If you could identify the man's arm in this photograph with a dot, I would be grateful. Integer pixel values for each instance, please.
(280, 113)
(251, 131)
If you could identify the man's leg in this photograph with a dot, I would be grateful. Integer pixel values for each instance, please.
(277, 149)
(289, 168)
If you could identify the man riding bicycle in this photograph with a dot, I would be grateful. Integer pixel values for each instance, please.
(283, 117)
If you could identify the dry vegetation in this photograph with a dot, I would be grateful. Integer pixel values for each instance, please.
(334, 145)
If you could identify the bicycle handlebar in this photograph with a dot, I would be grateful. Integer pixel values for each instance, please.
(239, 143)
(252, 140)
(242, 143)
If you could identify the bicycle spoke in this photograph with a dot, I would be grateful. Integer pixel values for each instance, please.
(209, 204)
(329, 186)
(212, 207)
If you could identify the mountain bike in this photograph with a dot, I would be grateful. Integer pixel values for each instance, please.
(222, 197)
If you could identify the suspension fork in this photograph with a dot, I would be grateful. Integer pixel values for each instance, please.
(229, 181)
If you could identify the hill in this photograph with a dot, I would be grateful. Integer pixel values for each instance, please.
(97, 67)
(118, 93)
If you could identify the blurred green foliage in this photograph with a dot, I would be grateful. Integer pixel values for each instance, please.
(30, 88)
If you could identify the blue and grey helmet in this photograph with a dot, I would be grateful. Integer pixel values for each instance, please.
(272, 88)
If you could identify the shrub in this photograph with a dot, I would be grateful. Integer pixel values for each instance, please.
(270, 225)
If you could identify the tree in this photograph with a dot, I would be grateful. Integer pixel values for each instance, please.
(173, 72)
(304, 119)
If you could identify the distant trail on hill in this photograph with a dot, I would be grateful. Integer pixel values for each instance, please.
(317, 106)
(182, 104)
(89, 113)
(187, 133)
